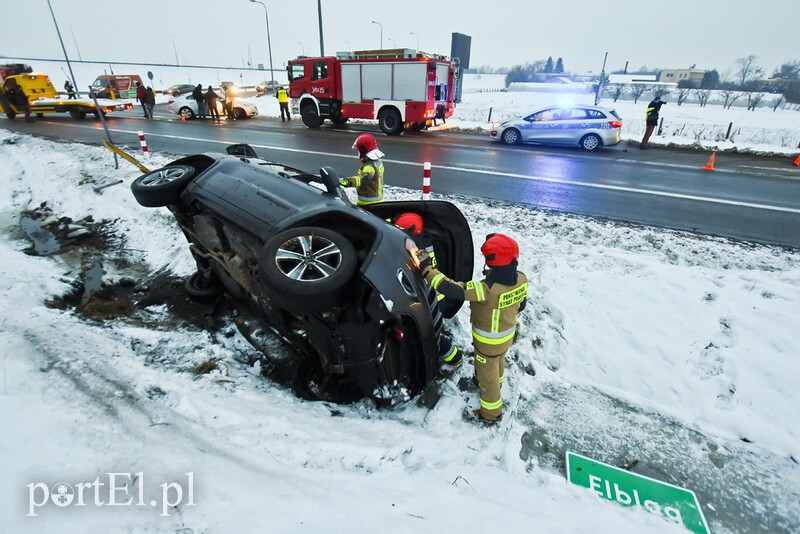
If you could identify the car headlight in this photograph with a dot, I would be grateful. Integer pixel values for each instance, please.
(496, 125)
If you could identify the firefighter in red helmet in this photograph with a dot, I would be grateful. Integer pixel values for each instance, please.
(494, 304)
(369, 179)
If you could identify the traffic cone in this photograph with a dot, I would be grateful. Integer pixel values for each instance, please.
(183, 117)
(710, 165)
(797, 161)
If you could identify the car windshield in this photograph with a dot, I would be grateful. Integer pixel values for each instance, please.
(99, 83)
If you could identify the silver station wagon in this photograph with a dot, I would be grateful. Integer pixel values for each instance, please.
(588, 127)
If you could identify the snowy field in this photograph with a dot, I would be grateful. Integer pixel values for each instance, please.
(668, 352)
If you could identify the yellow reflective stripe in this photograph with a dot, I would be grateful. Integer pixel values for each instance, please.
(452, 354)
(363, 201)
(478, 288)
(491, 405)
(513, 296)
(495, 320)
(479, 358)
(491, 338)
(437, 280)
(439, 296)
(501, 379)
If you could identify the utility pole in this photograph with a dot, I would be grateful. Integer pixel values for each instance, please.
(69, 66)
(321, 40)
(600, 84)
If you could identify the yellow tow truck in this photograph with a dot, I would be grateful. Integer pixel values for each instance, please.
(44, 98)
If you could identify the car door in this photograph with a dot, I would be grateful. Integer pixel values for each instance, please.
(540, 127)
(573, 123)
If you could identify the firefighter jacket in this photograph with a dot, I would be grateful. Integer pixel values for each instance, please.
(368, 182)
(283, 96)
(493, 307)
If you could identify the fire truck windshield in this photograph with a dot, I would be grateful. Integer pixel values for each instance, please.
(296, 71)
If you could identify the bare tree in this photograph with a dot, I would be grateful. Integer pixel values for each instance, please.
(754, 99)
(778, 102)
(727, 94)
(637, 90)
(747, 70)
(615, 90)
(731, 97)
(703, 96)
(683, 94)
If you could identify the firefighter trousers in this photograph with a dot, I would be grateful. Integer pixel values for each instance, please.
(490, 370)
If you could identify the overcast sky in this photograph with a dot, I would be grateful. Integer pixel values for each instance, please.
(679, 33)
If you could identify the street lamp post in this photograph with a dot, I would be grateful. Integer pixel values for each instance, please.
(381, 25)
(76, 42)
(175, 49)
(394, 43)
(302, 47)
(69, 66)
(415, 33)
(269, 43)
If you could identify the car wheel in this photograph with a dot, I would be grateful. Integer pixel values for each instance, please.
(162, 187)
(390, 122)
(511, 136)
(77, 113)
(202, 290)
(338, 120)
(307, 269)
(239, 114)
(310, 117)
(187, 112)
(591, 142)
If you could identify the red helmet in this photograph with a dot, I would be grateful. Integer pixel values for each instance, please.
(499, 250)
(409, 222)
(365, 144)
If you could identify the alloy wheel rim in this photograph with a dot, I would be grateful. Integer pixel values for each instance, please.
(308, 258)
(163, 176)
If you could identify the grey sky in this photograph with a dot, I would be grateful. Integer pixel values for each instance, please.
(679, 33)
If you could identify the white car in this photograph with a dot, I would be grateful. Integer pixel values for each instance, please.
(185, 105)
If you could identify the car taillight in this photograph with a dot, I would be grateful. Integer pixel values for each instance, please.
(615, 124)
(398, 333)
(170, 102)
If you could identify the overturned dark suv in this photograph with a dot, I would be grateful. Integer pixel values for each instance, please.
(337, 281)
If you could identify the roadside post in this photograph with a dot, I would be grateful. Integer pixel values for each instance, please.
(426, 180)
(673, 503)
(102, 118)
(143, 142)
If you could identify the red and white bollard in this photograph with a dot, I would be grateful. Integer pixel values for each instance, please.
(143, 143)
(426, 180)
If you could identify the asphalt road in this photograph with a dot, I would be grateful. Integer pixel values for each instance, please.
(747, 198)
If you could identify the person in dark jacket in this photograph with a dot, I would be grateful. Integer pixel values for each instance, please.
(70, 91)
(140, 90)
(651, 118)
(211, 102)
(200, 98)
(18, 98)
(149, 102)
(494, 303)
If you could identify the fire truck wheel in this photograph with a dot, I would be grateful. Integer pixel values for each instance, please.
(310, 117)
(77, 113)
(389, 121)
(338, 120)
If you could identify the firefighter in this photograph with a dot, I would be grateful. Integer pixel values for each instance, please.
(283, 102)
(70, 91)
(494, 303)
(369, 180)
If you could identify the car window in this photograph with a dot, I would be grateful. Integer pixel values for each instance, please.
(614, 112)
(595, 114)
(320, 70)
(544, 115)
(570, 114)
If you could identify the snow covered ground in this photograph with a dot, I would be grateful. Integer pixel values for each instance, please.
(669, 352)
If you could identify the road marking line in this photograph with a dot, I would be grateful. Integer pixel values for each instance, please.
(625, 189)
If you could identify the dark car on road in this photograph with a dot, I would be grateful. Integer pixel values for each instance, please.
(339, 282)
(179, 89)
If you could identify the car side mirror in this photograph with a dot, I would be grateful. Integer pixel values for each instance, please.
(241, 149)
(330, 180)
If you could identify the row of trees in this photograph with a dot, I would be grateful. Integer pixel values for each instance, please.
(683, 94)
(534, 71)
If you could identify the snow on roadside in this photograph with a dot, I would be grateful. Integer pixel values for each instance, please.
(701, 329)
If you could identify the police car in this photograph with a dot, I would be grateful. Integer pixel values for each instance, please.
(587, 127)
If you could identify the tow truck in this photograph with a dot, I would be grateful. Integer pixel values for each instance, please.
(44, 98)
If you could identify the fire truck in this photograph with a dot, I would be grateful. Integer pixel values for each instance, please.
(400, 88)
(44, 98)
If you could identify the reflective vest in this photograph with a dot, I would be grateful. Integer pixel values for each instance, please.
(368, 182)
(283, 96)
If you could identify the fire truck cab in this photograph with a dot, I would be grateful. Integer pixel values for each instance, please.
(400, 88)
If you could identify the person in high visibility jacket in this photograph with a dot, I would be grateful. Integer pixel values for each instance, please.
(70, 91)
(369, 180)
(494, 303)
(283, 101)
(651, 120)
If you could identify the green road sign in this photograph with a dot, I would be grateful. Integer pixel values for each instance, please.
(629, 489)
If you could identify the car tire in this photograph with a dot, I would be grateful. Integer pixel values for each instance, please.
(310, 116)
(591, 142)
(239, 114)
(77, 114)
(338, 120)
(390, 122)
(162, 187)
(187, 112)
(201, 290)
(511, 136)
(298, 278)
